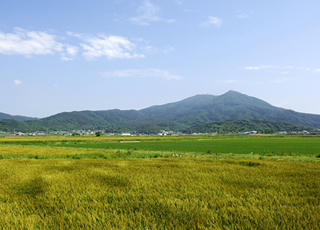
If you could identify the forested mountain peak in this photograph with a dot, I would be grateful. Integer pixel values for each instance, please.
(177, 116)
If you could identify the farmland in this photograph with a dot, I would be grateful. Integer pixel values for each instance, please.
(212, 146)
(243, 182)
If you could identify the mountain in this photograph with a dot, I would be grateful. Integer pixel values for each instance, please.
(89, 119)
(177, 116)
(17, 118)
(233, 106)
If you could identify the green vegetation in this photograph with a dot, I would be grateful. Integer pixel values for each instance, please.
(18, 118)
(179, 116)
(9, 125)
(177, 182)
(211, 146)
(246, 125)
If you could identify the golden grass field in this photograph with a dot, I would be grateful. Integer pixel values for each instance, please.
(189, 192)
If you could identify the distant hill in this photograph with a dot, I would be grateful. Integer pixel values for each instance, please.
(89, 119)
(17, 118)
(246, 125)
(229, 106)
(177, 116)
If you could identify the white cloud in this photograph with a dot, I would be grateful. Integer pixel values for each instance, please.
(148, 12)
(212, 21)
(101, 45)
(109, 46)
(72, 34)
(17, 82)
(66, 59)
(70, 53)
(148, 48)
(296, 67)
(28, 43)
(152, 49)
(280, 68)
(72, 50)
(317, 70)
(251, 67)
(55, 85)
(259, 67)
(143, 73)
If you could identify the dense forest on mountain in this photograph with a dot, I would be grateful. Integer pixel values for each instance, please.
(194, 113)
(17, 118)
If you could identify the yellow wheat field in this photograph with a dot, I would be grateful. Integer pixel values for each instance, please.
(16, 151)
(175, 193)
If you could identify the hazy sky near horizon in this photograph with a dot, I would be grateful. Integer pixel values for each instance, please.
(74, 55)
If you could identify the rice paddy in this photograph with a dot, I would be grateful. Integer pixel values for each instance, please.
(75, 186)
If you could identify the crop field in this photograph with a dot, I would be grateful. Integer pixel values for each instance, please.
(152, 183)
(265, 146)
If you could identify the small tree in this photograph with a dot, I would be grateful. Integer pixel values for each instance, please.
(98, 133)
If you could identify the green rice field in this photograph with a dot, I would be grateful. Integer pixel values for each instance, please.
(264, 146)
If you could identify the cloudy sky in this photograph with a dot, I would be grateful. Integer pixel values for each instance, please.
(74, 55)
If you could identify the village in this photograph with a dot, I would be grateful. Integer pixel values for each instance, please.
(161, 133)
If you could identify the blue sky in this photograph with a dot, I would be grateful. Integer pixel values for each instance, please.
(74, 55)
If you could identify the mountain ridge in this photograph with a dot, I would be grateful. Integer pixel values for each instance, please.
(178, 116)
(16, 117)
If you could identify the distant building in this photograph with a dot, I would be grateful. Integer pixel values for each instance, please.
(165, 133)
(125, 134)
(248, 132)
(315, 132)
(20, 134)
(283, 132)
